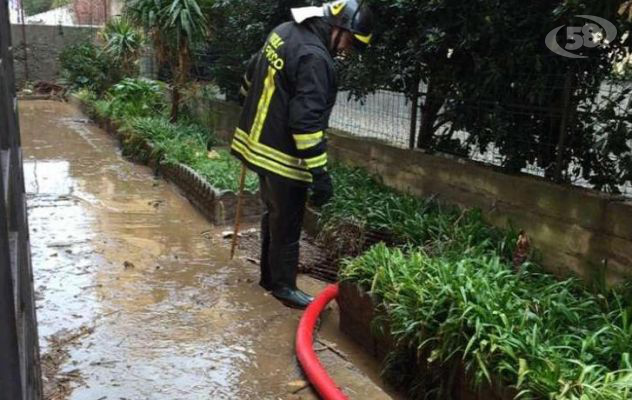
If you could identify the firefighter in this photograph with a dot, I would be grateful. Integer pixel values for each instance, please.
(289, 90)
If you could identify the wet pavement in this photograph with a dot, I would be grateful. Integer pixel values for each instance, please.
(142, 288)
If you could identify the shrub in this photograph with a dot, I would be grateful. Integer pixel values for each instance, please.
(84, 65)
(136, 98)
(369, 206)
(546, 339)
(222, 170)
(188, 144)
(123, 43)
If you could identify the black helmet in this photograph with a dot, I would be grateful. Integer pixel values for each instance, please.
(354, 17)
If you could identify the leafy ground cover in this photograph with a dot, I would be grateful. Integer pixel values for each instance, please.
(452, 299)
(548, 339)
(362, 204)
(138, 107)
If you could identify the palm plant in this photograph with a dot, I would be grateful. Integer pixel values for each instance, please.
(174, 26)
(123, 42)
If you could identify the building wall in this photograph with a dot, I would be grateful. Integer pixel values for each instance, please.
(43, 46)
(578, 231)
(90, 12)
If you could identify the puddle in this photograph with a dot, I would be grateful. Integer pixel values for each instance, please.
(123, 253)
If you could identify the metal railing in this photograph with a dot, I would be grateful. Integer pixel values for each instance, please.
(20, 374)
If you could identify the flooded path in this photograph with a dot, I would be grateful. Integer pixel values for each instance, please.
(141, 287)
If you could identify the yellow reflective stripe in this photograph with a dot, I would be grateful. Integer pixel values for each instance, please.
(270, 165)
(337, 7)
(264, 104)
(269, 151)
(307, 145)
(305, 141)
(366, 39)
(316, 162)
(309, 137)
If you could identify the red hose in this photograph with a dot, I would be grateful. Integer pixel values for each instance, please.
(315, 372)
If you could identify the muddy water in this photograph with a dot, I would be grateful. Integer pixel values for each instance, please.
(120, 251)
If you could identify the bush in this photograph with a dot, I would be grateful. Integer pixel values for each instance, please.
(222, 170)
(546, 339)
(361, 201)
(136, 98)
(123, 42)
(188, 144)
(84, 65)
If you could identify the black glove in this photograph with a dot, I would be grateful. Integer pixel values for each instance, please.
(322, 190)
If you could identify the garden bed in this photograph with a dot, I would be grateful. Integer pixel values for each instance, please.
(219, 206)
(363, 213)
(456, 309)
(358, 310)
(470, 317)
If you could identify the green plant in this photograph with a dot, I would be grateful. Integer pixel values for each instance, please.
(123, 43)
(60, 3)
(88, 98)
(187, 144)
(360, 201)
(222, 171)
(32, 7)
(136, 98)
(84, 65)
(546, 339)
(101, 108)
(174, 26)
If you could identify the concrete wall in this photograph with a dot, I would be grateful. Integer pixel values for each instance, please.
(44, 44)
(576, 230)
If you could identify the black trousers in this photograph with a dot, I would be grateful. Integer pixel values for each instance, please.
(280, 231)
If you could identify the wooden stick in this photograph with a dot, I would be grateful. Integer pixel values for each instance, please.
(242, 181)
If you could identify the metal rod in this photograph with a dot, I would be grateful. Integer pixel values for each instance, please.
(24, 43)
(242, 181)
(561, 144)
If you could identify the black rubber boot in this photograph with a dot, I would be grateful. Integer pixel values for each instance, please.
(293, 298)
(306, 296)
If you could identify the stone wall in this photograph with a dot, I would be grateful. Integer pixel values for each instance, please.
(576, 230)
(44, 44)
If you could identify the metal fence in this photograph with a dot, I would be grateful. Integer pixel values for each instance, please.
(20, 375)
(388, 117)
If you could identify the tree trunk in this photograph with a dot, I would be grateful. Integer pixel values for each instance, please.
(175, 102)
(553, 143)
(429, 112)
(414, 109)
(180, 78)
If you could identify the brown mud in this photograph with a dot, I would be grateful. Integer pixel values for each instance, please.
(136, 295)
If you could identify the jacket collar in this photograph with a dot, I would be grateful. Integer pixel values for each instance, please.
(321, 29)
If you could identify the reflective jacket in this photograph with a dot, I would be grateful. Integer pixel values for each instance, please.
(290, 90)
